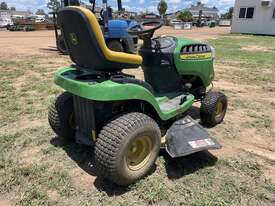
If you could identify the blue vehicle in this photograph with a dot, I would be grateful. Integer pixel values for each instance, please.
(117, 37)
(115, 30)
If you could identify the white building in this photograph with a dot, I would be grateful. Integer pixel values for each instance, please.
(206, 12)
(5, 18)
(254, 17)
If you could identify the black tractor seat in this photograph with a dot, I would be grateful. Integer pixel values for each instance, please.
(86, 44)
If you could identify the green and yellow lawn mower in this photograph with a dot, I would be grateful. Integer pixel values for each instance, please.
(128, 120)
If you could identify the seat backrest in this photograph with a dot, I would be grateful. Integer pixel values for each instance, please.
(86, 44)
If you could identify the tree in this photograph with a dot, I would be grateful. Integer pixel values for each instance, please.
(13, 8)
(228, 14)
(162, 7)
(4, 6)
(40, 12)
(53, 5)
(185, 16)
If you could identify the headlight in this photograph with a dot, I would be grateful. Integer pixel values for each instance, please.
(213, 51)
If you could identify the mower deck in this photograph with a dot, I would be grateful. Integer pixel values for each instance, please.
(186, 136)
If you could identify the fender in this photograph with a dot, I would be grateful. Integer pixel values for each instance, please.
(108, 90)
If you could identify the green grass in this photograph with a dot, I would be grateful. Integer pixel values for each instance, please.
(232, 48)
(197, 180)
(194, 180)
(248, 66)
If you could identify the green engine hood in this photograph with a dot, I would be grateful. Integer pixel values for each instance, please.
(198, 62)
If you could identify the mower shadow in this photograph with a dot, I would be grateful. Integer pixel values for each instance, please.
(179, 167)
(49, 49)
(83, 156)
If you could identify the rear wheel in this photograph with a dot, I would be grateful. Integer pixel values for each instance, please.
(115, 45)
(61, 116)
(213, 108)
(127, 147)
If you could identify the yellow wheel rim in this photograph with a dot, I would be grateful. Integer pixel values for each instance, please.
(219, 109)
(138, 153)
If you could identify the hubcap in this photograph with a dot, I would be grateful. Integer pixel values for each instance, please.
(138, 152)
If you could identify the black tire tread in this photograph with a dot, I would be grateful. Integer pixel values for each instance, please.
(208, 106)
(57, 112)
(109, 139)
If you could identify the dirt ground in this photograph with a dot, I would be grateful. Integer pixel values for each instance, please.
(203, 33)
(43, 42)
(248, 129)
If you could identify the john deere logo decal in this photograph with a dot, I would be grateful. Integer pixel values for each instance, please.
(207, 55)
(73, 39)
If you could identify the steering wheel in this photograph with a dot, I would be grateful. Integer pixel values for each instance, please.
(101, 13)
(143, 33)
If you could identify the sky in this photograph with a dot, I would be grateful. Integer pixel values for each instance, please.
(131, 5)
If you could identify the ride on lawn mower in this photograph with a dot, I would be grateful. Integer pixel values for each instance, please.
(128, 120)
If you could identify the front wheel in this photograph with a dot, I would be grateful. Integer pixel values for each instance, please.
(213, 109)
(127, 148)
